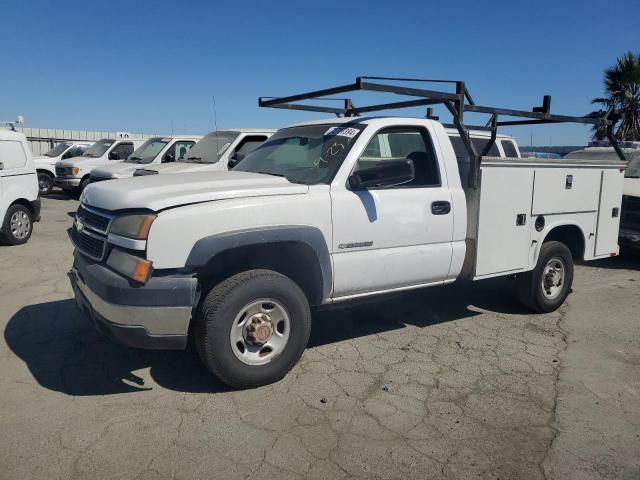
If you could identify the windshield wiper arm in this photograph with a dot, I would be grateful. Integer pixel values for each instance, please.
(271, 173)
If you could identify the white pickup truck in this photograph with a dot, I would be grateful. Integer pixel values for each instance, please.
(46, 164)
(74, 174)
(324, 212)
(218, 150)
(155, 151)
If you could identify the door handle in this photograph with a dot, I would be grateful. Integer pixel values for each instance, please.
(440, 207)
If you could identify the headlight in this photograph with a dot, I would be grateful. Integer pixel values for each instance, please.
(133, 267)
(75, 170)
(132, 226)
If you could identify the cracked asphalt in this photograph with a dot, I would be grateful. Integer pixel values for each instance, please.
(456, 382)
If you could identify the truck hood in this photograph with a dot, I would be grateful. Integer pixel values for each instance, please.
(117, 170)
(631, 187)
(181, 167)
(82, 162)
(157, 192)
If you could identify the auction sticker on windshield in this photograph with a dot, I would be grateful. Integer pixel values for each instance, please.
(342, 131)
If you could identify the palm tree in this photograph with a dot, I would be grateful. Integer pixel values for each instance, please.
(622, 89)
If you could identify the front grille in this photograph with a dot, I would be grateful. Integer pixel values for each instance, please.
(91, 245)
(93, 219)
(630, 215)
(62, 171)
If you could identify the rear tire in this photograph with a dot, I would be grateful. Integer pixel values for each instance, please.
(45, 183)
(244, 309)
(546, 287)
(17, 225)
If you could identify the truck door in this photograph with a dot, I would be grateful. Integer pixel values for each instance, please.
(385, 238)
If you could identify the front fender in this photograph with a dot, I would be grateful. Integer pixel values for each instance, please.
(207, 248)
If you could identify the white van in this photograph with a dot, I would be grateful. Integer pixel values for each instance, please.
(19, 201)
(154, 151)
(219, 150)
(46, 164)
(74, 173)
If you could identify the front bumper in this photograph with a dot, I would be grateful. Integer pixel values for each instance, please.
(67, 183)
(152, 316)
(629, 238)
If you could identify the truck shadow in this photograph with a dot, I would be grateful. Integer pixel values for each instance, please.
(628, 261)
(65, 354)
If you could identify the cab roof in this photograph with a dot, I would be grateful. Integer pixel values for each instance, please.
(367, 120)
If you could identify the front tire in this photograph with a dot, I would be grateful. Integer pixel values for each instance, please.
(17, 225)
(83, 184)
(45, 183)
(546, 287)
(252, 328)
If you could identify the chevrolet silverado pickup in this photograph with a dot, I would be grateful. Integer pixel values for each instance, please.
(324, 212)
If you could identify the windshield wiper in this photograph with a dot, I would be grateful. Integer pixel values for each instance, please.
(271, 173)
(134, 159)
(632, 176)
(194, 159)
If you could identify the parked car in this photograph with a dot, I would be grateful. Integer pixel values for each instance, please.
(219, 150)
(46, 164)
(74, 174)
(629, 236)
(324, 212)
(155, 151)
(19, 201)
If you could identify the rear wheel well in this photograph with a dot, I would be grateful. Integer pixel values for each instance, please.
(296, 260)
(571, 236)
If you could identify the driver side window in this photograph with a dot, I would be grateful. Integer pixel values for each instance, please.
(399, 143)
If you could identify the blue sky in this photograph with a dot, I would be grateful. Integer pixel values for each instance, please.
(145, 66)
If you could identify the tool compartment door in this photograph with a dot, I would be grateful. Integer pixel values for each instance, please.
(504, 220)
(609, 212)
(565, 190)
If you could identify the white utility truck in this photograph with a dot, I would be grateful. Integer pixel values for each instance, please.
(46, 164)
(19, 201)
(217, 151)
(155, 151)
(74, 174)
(328, 211)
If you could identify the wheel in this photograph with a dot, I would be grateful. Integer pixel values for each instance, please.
(45, 183)
(547, 286)
(252, 328)
(17, 225)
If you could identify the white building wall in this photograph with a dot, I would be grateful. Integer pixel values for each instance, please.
(42, 140)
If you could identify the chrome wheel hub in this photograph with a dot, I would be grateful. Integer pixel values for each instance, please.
(553, 278)
(19, 224)
(260, 332)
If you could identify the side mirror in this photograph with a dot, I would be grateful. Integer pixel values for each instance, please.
(168, 158)
(234, 160)
(114, 156)
(66, 155)
(388, 173)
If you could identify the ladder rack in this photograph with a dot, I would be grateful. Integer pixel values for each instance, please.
(457, 103)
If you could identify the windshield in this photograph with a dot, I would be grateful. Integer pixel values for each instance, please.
(58, 149)
(98, 148)
(307, 154)
(211, 147)
(149, 150)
